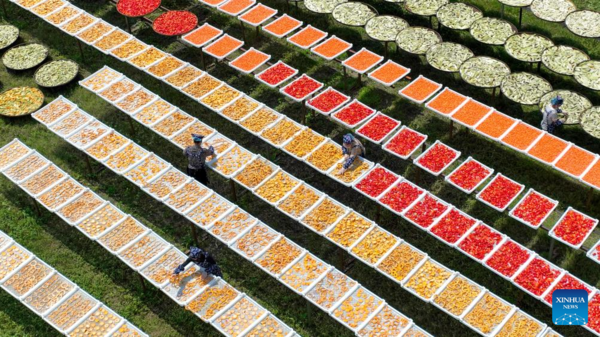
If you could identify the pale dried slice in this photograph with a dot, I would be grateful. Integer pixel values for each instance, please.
(385, 27)
(424, 7)
(353, 13)
(590, 121)
(322, 6)
(552, 10)
(527, 47)
(575, 104)
(516, 3)
(588, 74)
(563, 59)
(525, 88)
(458, 15)
(584, 23)
(417, 40)
(492, 31)
(484, 72)
(448, 56)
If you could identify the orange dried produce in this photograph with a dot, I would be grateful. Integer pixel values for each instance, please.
(250, 60)
(495, 125)
(94, 32)
(88, 134)
(212, 300)
(125, 330)
(521, 136)
(135, 100)
(101, 220)
(520, 325)
(254, 173)
(324, 215)
(276, 187)
(304, 143)
(260, 120)
(29, 3)
(281, 131)
(47, 7)
(143, 250)
(457, 295)
(11, 258)
(357, 308)
(385, 323)
(112, 40)
(184, 76)
(548, 148)
(471, 112)
(575, 161)
(26, 167)
(255, 240)
(106, 146)
(325, 156)
(209, 210)
(187, 196)
(240, 108)
(330, 289)
(78, 23)
(125, 158)
(362, 61)
(282, 25)
(220, 97)
(184, 139)
(48, 294)
(303, 273)
(223, 46)
(592, 177)
(71, 310)
(298, 202)
(153, 112)
(70, 123)
(175, 122)
(355, 171)
(332, 48)
(202, 35)
(349, 229)
(54, 111)
(128, 49)
(258, 14)
(98, 324)
(230, 226)
(269, 327)
(232, 161)
(26, 278)
(373, 246)
(279, 256)
(80, 207)
(389, 73)
(401, 261)
(166, 183)
(165, 67)
(100, 79)
(446, 102)
(42, 180)
(60, 193)
(307, 37)
(161, 270)
(147, 58)
(12, 153)
(428, 279)
(487, 313)
(239, 317)
(202, 86)
(118, 90)
(123, 234)
(415, 331)
(147, 170)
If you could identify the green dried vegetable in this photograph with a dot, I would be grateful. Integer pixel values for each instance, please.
(552, 10)
(492, 31)
(588, 74)
(353, 13)
(417, 40)
(484, 72)
(527, 47)
(8, 35)
(20, 101)
(56, 73)
(448, 56)
(575, 104)
(525, 88)
(590, 121)
(25, 56)
(584, 23)
(424, 7)
(322, 6)
(385, 27)
(563, 59)
(458, 15)
(516, 3)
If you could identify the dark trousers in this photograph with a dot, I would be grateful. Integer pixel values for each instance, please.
(199, 174)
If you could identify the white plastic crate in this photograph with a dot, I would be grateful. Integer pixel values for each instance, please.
(531, 191)
(447, 178)
(456, 156)
(417, 147)
(552, 233)
(478, 197)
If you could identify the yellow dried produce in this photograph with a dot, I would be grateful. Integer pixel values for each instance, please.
(304, 143)
(280, 132)
(239, 317)
(98, 324)
(49, 293)
(325, 156)
(135, 101)
(268, 327)
(520, 325)
(100, 221)
(106, 146)
(255, 240)
(374, 245)
(29, 3)
(166, 183)
(254, 173)
(487, 313)
(70, 123)
(187, 284)
(147, 170)
(101, 79)
(60, 193)
(42, 180)
(260, 120)
(47, 7)
(146, 58)
(12, 153)
(220, 97)
(165, 67)
(187, 196)
(142, 251)
(161, 270)
(355, 171)
(232, 225)
(63, 15)
(121, 235)
(89, 133)
(112, 40)
(298, 202)
(27, 277)
(401, 261)
(323, 215)
(385, 323)
(125, 331)
(184, 76)
(276, 187)
(53, 111)
(232, 161)
(209, 210)
(26, 167)
(240, 108)
(94, 32)
(202, 86)
(279, 256)
(71, 311)
(128, 49)
(184, 139)
(331, 289)
(78, 23)
(175, 122)
(303, 273)
(118, 90)
(357, 308)
(414, 332)
(457, 295)
(349, 229)
(212, 300)
(80, 207)
(428, 279)
(10, 259)
(123, 159)
(153, 112)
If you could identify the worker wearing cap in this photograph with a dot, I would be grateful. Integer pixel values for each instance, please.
(196, 155)
(550, 119)
(351, 149)
(201, 258)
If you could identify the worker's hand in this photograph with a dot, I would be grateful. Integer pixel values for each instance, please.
(178, 270)
(341, 171)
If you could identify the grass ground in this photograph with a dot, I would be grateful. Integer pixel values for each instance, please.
(109, 280)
